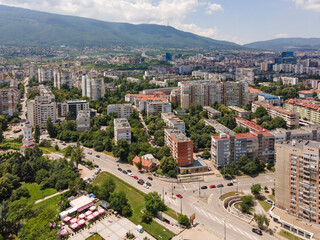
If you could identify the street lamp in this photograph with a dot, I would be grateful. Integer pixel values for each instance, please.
(225, 229)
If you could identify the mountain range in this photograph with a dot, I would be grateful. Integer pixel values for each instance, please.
(23, 27)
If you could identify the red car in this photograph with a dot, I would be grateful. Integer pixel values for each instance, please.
(178, 195)
(135, 177)
(140, 182)
(212, 186)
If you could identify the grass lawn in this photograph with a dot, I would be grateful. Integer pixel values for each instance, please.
(271, 197)
(36, 193)
(51, 203)
(229, 194)
(95, 236)
(108, 153)
(289, 235)
(51, 149)
(136, 200)
(266, 206)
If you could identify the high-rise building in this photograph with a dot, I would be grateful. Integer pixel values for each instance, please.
(122, 110)
(180, 145)
(306, 110)
(92, 86)
(297, 179)
(122, 129)
(168, 57)
(286, 57)
(205, 93)
(83, 120)
(158, 107)
(45, 74)
(72, 106)
(245, 75)
(173, 121)
(61, 77)
(9, 99)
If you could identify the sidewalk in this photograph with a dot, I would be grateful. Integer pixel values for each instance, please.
(197, 232)
(53, 195)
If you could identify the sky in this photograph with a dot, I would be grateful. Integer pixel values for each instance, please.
(240, 21)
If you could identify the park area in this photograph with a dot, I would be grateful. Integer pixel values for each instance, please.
(136, 200)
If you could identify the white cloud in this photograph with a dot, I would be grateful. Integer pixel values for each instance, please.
(281, 35)
(308, 4)
(213, 7)
(163, 12)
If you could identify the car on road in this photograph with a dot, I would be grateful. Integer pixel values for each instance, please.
(140, 182)
(269, 201)
(62, 143)
(212, 186)
(179, 195)
(219, 185)
(96, 166)
(230, 184)
(120, 169)
(89, 168)
(146, 186)
(150, 178)
(149, 184)
(135, 177)
(125, 172)
(204, 187)
(97, 156)
(130, 174)
(234, 181)
(129, 170)
(90, 153)
(257, 231)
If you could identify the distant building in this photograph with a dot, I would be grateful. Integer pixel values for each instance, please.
(181, 147)
(159, 83)
(61, 77)
(83, 120)
(307, 93)
(122, 129)
(168, 57)
(154, 108)
(122, 110)
(149, 162)
(311, 132)
(27, 141)
(245, 75)
(253, 93)
(286, 57)
(92, 86)
(9, 98)
(287, 80)
(240, 112)
(72, 106)
(133, 80)
(218, 127)
(212, 113)
(173, 121)
(270, 99)
(45, 74)
(306, 110)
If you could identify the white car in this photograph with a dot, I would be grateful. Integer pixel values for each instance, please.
(130, 174)
(269, 201)
(145, 185)
(234, 181)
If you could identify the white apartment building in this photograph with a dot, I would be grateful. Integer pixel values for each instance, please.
(245, 75)
(158, 107)
(122, 129)
(122, 110)
(159, 83)
(9, 99)
(40, 109)
(212, 113)
(287, 80)
(61, 77)
(83, 120)
(92, 86)
(45, 74)
(133, 80)
(173, 121)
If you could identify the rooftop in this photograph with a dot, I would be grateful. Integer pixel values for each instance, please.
(301, 144)
(172, 118)
(269, 96)
(177, 135)
(274, 108)
(253, 90)
(304, 104)
(210, 109)
(121, 123)
(238, 109)
(218, 126)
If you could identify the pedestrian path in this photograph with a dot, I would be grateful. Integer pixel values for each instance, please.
(53, 195)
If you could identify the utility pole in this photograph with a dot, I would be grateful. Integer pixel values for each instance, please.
(225, 229)
(237, 187)
(172, 190)
(162, 193)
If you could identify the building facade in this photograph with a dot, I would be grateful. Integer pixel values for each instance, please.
(173, 121)
(61, 77)
(40, 109)
(122, 110)
(212, 113)
(122, 129)
(306, 110)
(92, 86)
(154, 108)
(45, 74)
(83, 120)
(245, 75)
(270, 99)
(181, 147)
(240, 112)
(72, 106)
(9, 98)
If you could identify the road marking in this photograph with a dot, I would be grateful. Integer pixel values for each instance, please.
(252, 237)
(214, 218)
(240, 231)
(184, 187)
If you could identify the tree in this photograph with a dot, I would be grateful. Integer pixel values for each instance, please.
(51, 128)
(121, 150)
(250, 168)
(3, 123)
(139, 165)
(255, 189)
(77, 154)
(56, 147)
(1, 136)
(246, 204)
(146, 217)
(69, 116)
(261, 220)
(184, 220)
(118, 200)
(68, 151)
(260, 112)
(167, 164)
(206, 154)
(154, 203)
(37, 133)
(278, 122)
(106, 188)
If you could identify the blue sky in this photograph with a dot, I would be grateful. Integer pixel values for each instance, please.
(240, 21)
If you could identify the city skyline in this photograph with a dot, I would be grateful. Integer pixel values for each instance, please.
(240, 22)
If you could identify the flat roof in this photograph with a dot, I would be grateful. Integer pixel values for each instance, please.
(80, 202)
(238, 109)
(196, 163)
(301, 144)
(177, 135)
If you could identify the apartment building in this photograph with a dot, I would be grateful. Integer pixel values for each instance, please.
(297, 179)
(212, 113)
(245, 75)
(83, 120)
(45, 74)
(205, 93)
(154, 108)
(61, 77)
(287, 80)
(122, 129)
(9, 98)
(92, 86)
(220, 128)
(122, 110)
(141, 100)
(133, 80)
(181, 147)
(253, 93)
(173, 121)
(227, 149)
(40, 109)
(159, 83)
(306, 110)
(291, 117)
(311, 132)
(250, 125)
(240, 112)
(270, 99)
(73, 106)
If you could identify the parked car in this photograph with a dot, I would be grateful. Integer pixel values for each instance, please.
(125, 172)
(96, 166)
(179, 195)
(230, 184)
(220, 185)
(140, 182)
(135, 177)
(97, 156)
(204, 187)
(234, 181)
(145, 185)
(150, 178)
(130, 174)
(90, 153)
(120, 169)
(257, 231)
(269, 201)
(149, 184)
(129, 170)
(212, 186)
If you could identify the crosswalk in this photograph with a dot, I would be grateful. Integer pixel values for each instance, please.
(221, 221)
(170, 200)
